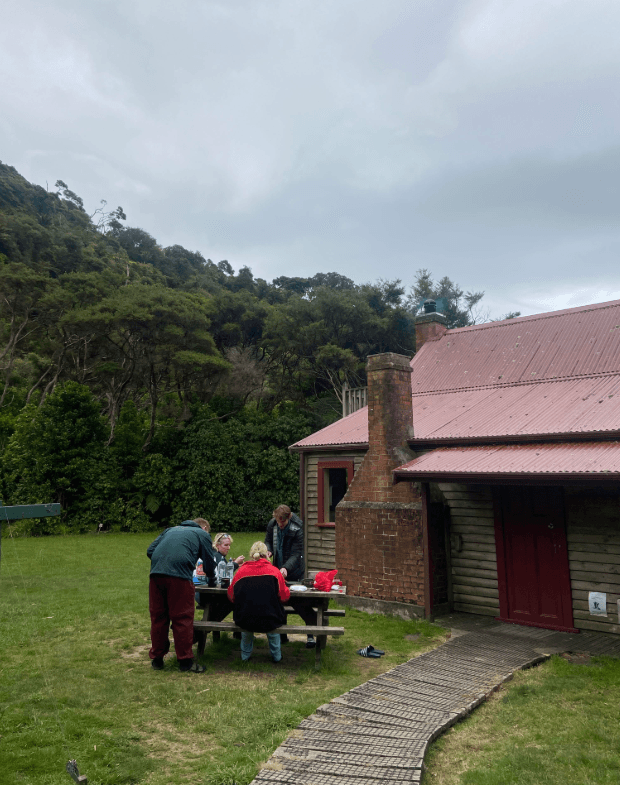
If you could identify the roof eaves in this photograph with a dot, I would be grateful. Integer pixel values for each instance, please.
(509, 478)
(526, 438)
(329, 447)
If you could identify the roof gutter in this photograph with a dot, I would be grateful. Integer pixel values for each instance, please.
(510, 478)
(329, 447)
(522, 438)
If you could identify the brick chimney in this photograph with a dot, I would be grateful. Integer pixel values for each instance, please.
(379, 549)
(430, 325)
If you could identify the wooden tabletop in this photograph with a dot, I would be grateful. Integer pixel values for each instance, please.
(204, 589)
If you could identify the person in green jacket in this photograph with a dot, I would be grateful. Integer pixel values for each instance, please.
(173, 557)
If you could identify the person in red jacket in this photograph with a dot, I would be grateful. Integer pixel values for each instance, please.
(258, 592)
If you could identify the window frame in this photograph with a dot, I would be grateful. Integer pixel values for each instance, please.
(349, 465)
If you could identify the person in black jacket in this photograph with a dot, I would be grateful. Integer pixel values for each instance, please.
(258, 591)
(173, 557)
(285, 542)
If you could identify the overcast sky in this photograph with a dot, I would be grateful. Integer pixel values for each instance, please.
(477, 138)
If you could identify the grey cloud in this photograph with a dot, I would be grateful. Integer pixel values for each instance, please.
(473, 137)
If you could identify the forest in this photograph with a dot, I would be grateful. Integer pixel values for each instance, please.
(141, 385)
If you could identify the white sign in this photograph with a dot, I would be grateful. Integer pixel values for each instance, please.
(597, 601)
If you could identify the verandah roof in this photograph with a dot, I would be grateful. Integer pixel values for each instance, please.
(554, 462)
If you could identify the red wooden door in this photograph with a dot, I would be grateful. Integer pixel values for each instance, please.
(532, 557)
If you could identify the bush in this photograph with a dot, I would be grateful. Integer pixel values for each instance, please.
(54, 454)
(234, 472)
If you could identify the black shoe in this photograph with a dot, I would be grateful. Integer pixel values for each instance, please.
(310, 643)
(157, 663)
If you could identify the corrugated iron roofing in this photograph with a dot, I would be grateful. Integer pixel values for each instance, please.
(554, 373)
(576, 342)
(577, 406)
(352, 429)
(583, 459)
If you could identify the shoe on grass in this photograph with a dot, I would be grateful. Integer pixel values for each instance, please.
(310, 643)
(366, 653)
(277, 662)
(157, 663)
(191, 667)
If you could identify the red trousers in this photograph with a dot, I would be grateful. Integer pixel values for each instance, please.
(171, 600)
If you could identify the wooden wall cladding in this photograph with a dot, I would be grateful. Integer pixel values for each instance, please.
(472, 540)
(593, 534)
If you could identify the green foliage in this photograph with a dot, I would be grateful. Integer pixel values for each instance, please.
(460, 308)
(54, 452)
(236, 470)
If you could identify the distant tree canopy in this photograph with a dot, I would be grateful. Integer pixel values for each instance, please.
(182, 371)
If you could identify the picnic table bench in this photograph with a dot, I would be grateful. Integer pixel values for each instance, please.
(216, 606)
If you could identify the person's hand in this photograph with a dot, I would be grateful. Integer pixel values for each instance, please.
(270, 554)
(239, 559)
(284, 571)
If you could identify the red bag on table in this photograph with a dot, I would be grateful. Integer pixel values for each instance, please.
(324, 581)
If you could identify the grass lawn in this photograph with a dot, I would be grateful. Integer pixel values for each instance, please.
(557, 724)
(76, 681)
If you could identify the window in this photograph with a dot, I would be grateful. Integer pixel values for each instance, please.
(334, 477)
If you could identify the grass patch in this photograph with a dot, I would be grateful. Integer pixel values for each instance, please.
(557, 724)
(76, 681)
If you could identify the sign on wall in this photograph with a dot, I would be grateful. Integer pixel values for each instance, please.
(597, 600)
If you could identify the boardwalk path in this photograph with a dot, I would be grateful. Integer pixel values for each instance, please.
(378, 733)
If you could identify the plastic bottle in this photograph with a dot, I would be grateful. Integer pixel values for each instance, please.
(220, 572)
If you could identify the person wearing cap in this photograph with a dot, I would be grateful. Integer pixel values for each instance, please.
(258, 592)
(285, 543)
(173, 557)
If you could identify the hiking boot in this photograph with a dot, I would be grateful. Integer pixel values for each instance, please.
(157, 663)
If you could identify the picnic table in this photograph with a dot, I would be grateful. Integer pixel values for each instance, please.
(216, 606)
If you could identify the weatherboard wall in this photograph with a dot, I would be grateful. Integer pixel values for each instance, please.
(593, 534)
(320, 541)
(472, 548)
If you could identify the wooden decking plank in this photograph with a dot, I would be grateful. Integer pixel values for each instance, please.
(355, 745)
(361, 773)
(336, 726)
(347, 754)
(310, 733)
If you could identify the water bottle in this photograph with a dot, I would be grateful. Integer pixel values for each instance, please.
(230, 571)
(220, 571)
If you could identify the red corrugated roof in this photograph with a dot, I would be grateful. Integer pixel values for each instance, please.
(549, 374)
(351, 430)
(562, 344)
(582, 460)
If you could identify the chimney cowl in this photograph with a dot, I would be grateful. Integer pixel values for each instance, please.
(430, 306)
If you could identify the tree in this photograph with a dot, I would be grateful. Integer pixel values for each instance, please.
(459, 307)
(54, 452)
(20, 292)
(149, 341)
